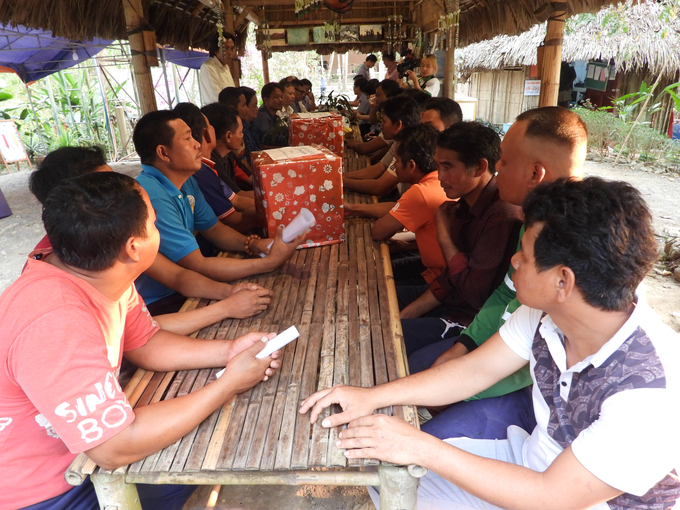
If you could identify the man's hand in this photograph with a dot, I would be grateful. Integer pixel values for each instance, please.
(423, 304)
(458, 350)
(355, 402)
(244, 370)
(258, 246)
(280, 251)
(245, 303)
(245, 286)
(348, 208)
(382, 437)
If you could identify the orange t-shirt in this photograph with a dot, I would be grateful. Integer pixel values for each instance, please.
(415, 210)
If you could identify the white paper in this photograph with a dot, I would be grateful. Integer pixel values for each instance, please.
(301, 151)
(313, 115)
(591, 72)
(278, 342)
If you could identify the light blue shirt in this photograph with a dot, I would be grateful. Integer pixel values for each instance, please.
(178, 213)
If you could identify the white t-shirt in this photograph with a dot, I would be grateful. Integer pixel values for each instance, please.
(213, 77)
(618, 408)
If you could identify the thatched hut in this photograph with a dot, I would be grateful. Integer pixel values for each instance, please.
(636, 43)
(192, 23)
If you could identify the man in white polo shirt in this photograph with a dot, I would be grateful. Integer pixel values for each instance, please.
(606, 374)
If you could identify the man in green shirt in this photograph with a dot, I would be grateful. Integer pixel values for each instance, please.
(543, 145)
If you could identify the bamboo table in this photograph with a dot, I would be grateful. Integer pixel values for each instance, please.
(343, 301)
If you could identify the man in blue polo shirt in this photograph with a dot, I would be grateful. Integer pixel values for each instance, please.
(170, 156)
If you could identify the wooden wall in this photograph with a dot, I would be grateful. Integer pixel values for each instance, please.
(500, 94)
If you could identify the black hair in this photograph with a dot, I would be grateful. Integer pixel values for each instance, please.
(89, 218)
(555, 124)
(305, 81)
(62, 164)
(285, 83)
(472, 141)
(230, 96)
(390, 87)
(152, 130)
(418, 143)
(215, 43)
(221, 117)
(269, 88)
(449, 111)
(248, 93)
(371, 58)
(401, 108)
(296, 83)
(360, 82)
(389, 56)
(191, 114)
(371, 87)
(601, 230)
(419, 96)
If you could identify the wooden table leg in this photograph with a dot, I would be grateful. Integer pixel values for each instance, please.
(114, 494)
(398, 489)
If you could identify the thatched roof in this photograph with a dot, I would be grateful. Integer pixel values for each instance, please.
(645, 43)
(185, 23)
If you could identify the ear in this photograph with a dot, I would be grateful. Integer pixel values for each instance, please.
(207, 139)
(565, 282)
(162, 153)
(399, 125)
(537, 174)
(482, 167)
(131, 251)
(411, 167)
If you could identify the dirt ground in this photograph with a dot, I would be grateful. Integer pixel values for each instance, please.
(20, 232)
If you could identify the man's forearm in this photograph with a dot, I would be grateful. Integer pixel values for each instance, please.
(228, 269)
(423, 304)
(452, 381)
(372, 210)
(225, 237)
(370, 172)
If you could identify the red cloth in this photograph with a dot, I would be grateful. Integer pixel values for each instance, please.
(61, 345)
(486, 235)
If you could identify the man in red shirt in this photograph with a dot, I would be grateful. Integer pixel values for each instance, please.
(65, 325)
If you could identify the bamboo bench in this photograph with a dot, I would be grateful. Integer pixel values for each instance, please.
(343, 301)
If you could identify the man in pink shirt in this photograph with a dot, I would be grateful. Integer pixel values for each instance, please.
(65, 325)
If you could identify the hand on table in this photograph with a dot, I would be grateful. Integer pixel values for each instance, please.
(355, 403)
(382, 437)
(280, 251)
(245, 286)
(243, 368)
(247, 301)
(348, 208)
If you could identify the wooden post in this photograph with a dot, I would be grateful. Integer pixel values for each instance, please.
(134, 22)
(398, 489)
(552, 58)
(229, 25)
(265, 68)
(114, 494)
(449, 56)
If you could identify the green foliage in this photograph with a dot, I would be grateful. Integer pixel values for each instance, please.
(606, 133)
(331, 102)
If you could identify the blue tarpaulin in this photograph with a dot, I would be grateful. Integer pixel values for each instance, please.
(34, 54)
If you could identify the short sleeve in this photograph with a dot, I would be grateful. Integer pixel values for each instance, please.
(214, 192)
(204, 216)
(176, 241)
(519, 330)
(386, 160)
(631, 445)
(139, 325)
(69, 378)
(409, 209)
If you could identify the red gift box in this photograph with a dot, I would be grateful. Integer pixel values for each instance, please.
(317, 128)
(313, 179)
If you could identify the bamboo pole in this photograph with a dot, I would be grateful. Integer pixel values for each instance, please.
(265, 68)
(452, 7)
(552, 60)
(135, 22)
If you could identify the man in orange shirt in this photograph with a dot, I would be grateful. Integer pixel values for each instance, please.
(415, 147)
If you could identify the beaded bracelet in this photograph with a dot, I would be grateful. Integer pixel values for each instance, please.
(247, 243)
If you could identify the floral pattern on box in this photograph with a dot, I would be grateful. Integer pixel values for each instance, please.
(326, 131)
(284, 187)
